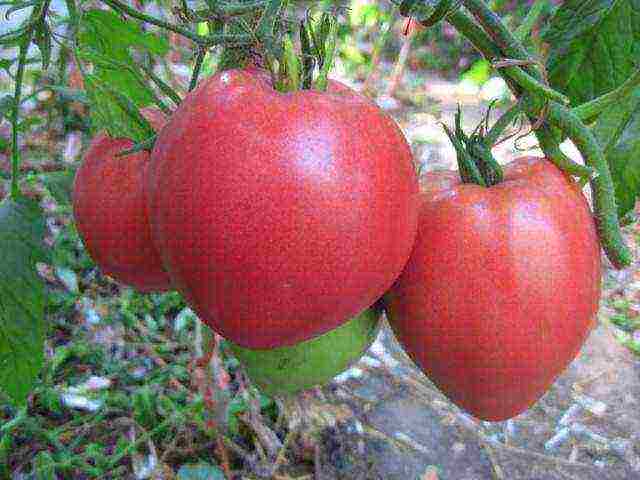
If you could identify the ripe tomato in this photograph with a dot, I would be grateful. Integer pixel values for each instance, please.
(110, 211)
(502, 286)
(281, 216)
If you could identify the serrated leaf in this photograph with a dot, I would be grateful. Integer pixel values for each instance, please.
(106, 32)
(22, 296)
(200, 471)
(594, 45)
(60, 185)
(123, 77)
(618, 131)
(115, 112)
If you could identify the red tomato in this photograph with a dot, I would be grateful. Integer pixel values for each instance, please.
(281, 216)
(110, 211)
(502, 286)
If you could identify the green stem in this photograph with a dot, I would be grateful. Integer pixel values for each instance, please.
(533, 86)
(523, 31)
(162, 85)
(559, 159)
(204, 41)
(233, 9)
(601, 185)
(22, 57)
(196, 69)
(500, 34)
(506, 119)
(588, 112)
(443, 9)
(560, 116)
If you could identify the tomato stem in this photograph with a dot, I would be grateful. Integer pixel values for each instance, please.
(559, 159)
(19, 76)
(529, 83)
(601, 185)
(559, 115)
(208, 40)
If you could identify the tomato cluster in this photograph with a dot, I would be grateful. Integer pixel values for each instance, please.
(283, 217)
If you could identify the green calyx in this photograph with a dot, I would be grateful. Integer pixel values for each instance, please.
(289, 370)
(310, 69)
(475, 160)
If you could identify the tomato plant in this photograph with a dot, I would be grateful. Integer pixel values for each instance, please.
(502, 286)
(282, 204)
(281, 215)
(110, 211)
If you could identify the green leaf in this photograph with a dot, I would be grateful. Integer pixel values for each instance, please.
(106, 32)
(115, 112)
(22, 296)
(618, 131)
(107, 41)
(594, 45)
(200, 471)
(60, 185)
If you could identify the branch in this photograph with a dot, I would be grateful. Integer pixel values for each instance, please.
(203, 41)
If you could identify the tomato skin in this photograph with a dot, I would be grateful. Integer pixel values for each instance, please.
(502, 287)
(110, 211)
(281, 216)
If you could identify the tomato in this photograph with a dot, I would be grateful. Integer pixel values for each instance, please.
(110, 211)
(502, 287)
(289, 370)
(279, 216)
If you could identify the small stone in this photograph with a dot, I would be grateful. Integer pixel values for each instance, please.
(353, 372)
(557, 440)
(573, 456)
(80, 402)
(622, 447)
(592, 405)
(371, 362)
(68, 278)
(570, 415)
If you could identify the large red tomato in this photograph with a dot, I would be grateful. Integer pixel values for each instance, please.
(110, 211)
(502, 286)
(281, 215)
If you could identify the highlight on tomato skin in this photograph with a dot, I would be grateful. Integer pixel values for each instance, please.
(280, 216)
(502, 287)
(110, 211)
